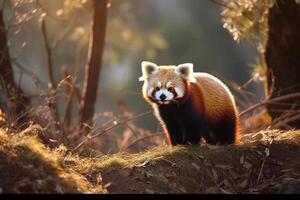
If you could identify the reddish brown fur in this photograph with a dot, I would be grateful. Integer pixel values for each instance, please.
(206, 108)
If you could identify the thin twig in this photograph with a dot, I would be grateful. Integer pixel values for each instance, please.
(270, 101)
(34, 78)
(52, 85)
(141, 139)
(267, 154)
(48, 53)
(261, 169)
(111, 128)
(286, 121)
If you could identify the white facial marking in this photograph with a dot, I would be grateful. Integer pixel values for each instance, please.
(169, 84)
(169, 95)
(159, 84)
(179, 91)
(150, 90)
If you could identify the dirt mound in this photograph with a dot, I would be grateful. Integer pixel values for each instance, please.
(265, 162)
(27, 166)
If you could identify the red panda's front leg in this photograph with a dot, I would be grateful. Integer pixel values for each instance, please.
(171, 124)
(173, 132)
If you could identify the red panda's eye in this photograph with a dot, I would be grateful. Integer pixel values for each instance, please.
(170, 89)
(157, 89)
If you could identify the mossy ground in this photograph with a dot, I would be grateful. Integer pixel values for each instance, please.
(258, 165)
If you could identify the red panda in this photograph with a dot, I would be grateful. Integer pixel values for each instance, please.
(190, 106)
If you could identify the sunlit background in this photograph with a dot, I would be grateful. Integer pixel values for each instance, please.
(160, 31)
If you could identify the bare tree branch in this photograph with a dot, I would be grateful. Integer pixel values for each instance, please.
(93, 67)
(48, 53)
(52, 85)
(69, 98)
(141, 139)
(16, 100)
(104, 131)
(270, 101)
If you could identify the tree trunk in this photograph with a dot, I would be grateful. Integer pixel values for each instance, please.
(16, 101)
(93, 67)
(282, 57)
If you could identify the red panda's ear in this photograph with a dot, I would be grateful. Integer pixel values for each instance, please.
(186, 71)
(148, 69)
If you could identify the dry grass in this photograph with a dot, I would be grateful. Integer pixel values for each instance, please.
(28, 166)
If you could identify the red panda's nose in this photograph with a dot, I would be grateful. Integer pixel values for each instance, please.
(163, 97)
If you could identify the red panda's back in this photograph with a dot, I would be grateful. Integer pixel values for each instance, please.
(217, 99)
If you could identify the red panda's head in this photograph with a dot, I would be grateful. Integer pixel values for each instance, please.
(166, 84)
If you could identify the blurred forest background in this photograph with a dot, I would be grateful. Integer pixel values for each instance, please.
(49, 43)
(72, 115)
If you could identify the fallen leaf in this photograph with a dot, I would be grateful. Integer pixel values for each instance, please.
(197, 167)
(224, 166)
(143, 164)
(148, 174)
(247, 165)
(182, 189)
(39, 182)
(242, 158)
(215, 174)
(149, 191)
(286, 170)
(225, 191)
(267, 152)
(164, 180)
(234, 174)
(279, 162)
(107, 185)
(212, 190)
(171, 174)
(53, 141)
(173, 184)
(125, 172)
(58, 189)
(141, 175)
(253, 191)
(206, 162)
(227, 183)
(244, 183)
(258, 136)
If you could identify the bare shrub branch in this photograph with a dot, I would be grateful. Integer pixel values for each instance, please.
(105, 130)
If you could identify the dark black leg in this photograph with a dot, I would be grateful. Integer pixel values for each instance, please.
(172, 123)
(222, 133)
(193, 134)
(174, 131)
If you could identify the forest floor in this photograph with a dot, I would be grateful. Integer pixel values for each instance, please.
(264, 162)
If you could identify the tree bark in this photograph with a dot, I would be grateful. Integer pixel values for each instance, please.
(16, 100)
(93, 67)
(282, 57)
